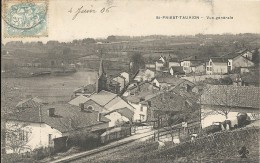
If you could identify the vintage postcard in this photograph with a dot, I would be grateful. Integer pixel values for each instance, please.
(130, 81)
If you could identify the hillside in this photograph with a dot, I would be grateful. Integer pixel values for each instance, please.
(219, 147)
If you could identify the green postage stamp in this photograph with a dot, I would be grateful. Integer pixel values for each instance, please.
(25, 18)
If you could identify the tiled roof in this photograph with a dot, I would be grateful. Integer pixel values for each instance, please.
(101, 98)
(167, 101)
(30, 102)
(64, 115)
(219, 59)
(170, 80)
(117, 103)
(126, 112)
(173, 60)
(88, 89)
(78, 100)
(231, 96)
(177, 69)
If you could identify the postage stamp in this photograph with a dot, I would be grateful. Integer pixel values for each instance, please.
(25, 18)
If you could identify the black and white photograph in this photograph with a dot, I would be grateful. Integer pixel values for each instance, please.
(130, 81)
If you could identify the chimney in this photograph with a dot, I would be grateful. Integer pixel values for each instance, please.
(99, 117)
(81, 105)
(51, 112)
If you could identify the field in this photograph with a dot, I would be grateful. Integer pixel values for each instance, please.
(49, 88)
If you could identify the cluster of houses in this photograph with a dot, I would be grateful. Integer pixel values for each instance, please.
(240, 61)
(142, 98)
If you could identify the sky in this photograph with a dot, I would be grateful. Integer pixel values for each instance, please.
(138, 18)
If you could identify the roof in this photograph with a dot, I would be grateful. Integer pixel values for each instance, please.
(117, 103)
(169, 80)
(88, 89)
(30, 102)
(165, 102)
(117, 129)
(219, 59)
(231, 96)
(126, 112)
(177, 69)
(173, 60)
(78, 100)
(101, 98)
(64, 115)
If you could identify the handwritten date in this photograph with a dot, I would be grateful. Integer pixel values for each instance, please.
(82, 10)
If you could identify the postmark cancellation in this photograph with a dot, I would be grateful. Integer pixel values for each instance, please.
(25, 18)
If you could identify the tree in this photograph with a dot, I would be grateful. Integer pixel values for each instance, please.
(219, 98)
(137, 61)
(255, 57)
(17, 136)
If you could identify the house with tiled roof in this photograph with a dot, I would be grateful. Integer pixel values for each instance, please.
(102, 102)
(238, 60)
(38, 126)
(190, 63)
(217, 65)
(176, 70)
(226, 102)
(144, 75)
(30, 103)
(121, 115)
(166, 83)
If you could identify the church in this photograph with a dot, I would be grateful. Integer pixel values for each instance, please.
(103, 82)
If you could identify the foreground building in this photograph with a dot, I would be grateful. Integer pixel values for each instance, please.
(36, 127)
(227, 102)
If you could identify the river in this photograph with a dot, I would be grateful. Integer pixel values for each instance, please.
(52, 88)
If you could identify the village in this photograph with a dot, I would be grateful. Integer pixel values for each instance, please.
(169, 99)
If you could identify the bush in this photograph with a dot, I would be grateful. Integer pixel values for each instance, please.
(84, 141)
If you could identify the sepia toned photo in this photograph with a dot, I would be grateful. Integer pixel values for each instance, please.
(128, 81)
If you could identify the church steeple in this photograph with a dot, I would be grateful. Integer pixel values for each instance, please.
(101, 83)
(101, 70)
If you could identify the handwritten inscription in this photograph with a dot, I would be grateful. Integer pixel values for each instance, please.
(91, 10)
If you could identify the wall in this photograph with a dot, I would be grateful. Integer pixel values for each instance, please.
(38, 134)
(209, 115)
(158, 66)
(121, 81)
(94, 105)
(219, 68)
(174, 64)
(241, 62)
(114, 117)
(126, 76)
(138, 111)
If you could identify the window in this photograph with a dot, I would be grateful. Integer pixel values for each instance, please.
(50, 138)
(141, 109)
(23, 135)
(90, 108)
(210, 63)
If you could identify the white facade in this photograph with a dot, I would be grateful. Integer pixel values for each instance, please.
(35, 135)
(216, 68)
(211, 116)
(186, 66)
(158, 65)
(174, 64)
(140, 112)
(116, 118)
(126, 76)
(248, 55)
